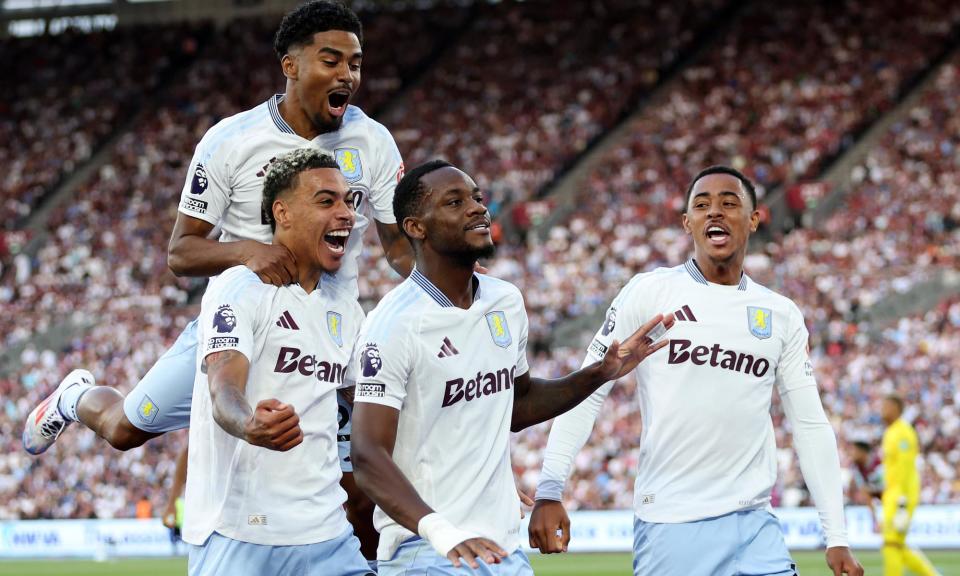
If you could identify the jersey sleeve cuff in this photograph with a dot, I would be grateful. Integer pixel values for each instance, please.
(549, 490)
(208, 218)
(838, 540)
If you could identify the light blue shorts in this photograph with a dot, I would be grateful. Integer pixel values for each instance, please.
(416, 557)
(745, 543)
(160, 402)
(222, 556)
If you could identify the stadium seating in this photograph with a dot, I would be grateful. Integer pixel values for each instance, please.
(63, 95)
(531, 84)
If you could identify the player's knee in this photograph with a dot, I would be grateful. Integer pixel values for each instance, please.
(123, 435)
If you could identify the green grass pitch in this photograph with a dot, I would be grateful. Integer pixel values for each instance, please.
(810, 564)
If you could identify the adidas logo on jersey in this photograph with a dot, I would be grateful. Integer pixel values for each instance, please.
(447, 349)
(481, 385)
(685, 314)
(286, 321)
(717, 357)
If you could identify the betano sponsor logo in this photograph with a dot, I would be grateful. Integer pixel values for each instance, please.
(717, 357)
(480, 385)
(291, 360)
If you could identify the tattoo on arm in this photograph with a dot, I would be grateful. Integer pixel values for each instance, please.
(227, 377)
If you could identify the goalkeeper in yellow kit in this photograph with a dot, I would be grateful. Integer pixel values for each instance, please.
(901, 492)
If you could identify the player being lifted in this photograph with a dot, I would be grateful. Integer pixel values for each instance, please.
(262, 487)
(707, 459)
(901, 492)
(443, 380)
(319, 46)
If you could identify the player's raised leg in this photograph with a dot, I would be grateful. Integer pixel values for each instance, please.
(159, 403)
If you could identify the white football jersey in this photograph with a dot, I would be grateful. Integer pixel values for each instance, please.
(224, 184)
(450, 372)
(299, 346)
(707, 445)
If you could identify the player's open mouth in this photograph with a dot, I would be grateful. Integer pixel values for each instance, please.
(482, 227)
(336, 240)
(717, 235)
(338, 100)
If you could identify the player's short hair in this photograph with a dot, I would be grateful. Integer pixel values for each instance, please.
(747, 184)
(299, 26)
(282, 176)
(896, 399)
(408, 196)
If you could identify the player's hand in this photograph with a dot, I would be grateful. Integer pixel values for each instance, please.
(274, 425)
(170, 516)
(474, 548)
(273, 263)
(525, 499)
(547, 520)
(901, 518)
(841, 561)
(622, 358)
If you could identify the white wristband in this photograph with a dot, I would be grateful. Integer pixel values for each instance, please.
(441, 534)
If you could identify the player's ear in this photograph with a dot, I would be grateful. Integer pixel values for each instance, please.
(281, 213)
(754, 220)
(290, 65)
(414, 228)
(686, 224)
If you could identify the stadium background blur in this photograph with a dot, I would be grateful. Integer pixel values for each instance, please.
(582, 122)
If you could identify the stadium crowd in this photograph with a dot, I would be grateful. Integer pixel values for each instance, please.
(63, 95)
(531, 84)
(104, 263)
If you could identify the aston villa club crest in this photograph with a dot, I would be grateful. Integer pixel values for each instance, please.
(497, 322)
(760, 322)
(349, 161)
(334, 328)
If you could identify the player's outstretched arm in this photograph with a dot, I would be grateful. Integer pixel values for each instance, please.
(396, 247)
(191, 252)
(536, 400)
(371, 448)
(176, 490)
(272, 424)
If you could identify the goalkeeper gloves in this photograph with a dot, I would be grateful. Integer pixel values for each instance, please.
(901, 518)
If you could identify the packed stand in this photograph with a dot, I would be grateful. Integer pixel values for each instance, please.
(63, 95)
(531, 84)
